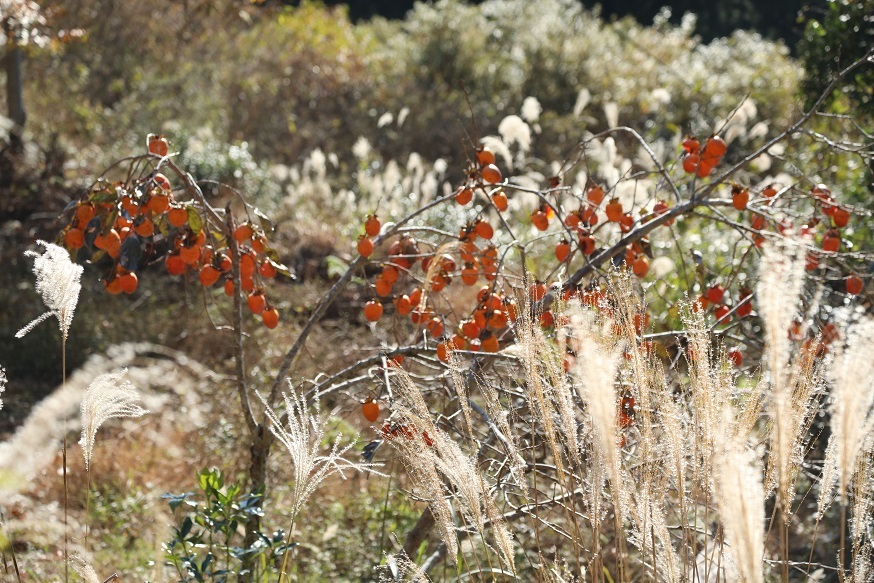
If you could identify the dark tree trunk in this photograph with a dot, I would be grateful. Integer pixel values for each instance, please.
(260, 451)
(14, 90)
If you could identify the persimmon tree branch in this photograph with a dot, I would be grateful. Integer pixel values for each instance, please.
(290, 359)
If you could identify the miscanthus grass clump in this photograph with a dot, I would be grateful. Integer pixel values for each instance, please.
(588, 454)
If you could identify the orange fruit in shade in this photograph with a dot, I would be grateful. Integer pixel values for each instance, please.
(690, 163)
(736, 356)
(562, 251)
(364, 246)
(224, 262)
(691, 145)
(715, 294)
(469, 274)
(145, 228)
(463, 196)
(158, 203)
(854, 284)
(769, 191)
(720, 313)
(841, 217)
(270, 317)
(162, 181)
(640, 266)
(500, 200)
(113, 286)
(128, 282)
(614, 210)
(130, 205)
(174, 264)
(540, 220)
(626, 221)
(390, 273)
(370, 410)
(177, 216)
(373, 311)
(403, 305)
(470, 329)
(595, 194)
(660, 208)
(208, 275)
(158, 145)
(259, 243)
(435, 326)
(112, 243)
(382, 287)
(372, 226)
(248, 264)
(739, 198)
(491, 174)
(485, 156)
(190, 254)
(84, 214)
(74, 238)
(489, 343)
(831, 242)
(267, 269)
(484, 229)
(714, 149)
(703, 170)
(243, 233)
(257, 302)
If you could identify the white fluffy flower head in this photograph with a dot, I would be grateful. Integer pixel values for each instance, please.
(57, 281)
(109, 396)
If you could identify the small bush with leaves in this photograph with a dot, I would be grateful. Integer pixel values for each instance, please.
(207, 544)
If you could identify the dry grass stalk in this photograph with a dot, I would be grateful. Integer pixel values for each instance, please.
(401, 569)
(444, 457)
(302, 436)
(594, 373)
(852, 408)
(781, 277)
(740, 498)
(84, 569)
(862, 513)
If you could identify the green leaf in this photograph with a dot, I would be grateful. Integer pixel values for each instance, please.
(336, 266)
(186, 527)
(266, 224)
(194, 219)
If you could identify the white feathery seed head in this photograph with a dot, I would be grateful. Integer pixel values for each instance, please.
(852, 409)
(2, 383)
(57, 281)
(740, 497)
(83, 568)
(109, 396)
(302, 436)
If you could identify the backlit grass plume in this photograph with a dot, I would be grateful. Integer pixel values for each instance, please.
(302, 434)
(109, 396)
(2, 384)
(57, 281)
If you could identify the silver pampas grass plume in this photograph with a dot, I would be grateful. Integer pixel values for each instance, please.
(57, 281)
(109, 396)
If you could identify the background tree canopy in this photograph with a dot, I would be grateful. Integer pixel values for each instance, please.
(775, 20)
